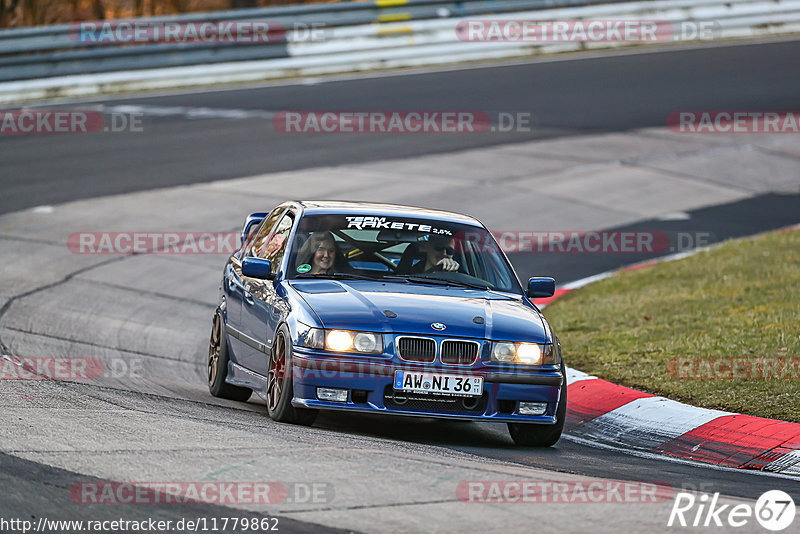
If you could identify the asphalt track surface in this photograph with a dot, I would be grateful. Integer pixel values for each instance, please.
(614, 93)
(605, 93)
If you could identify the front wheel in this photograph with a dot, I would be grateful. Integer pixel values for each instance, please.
(532, 435)
(279, 384)
(218, 365)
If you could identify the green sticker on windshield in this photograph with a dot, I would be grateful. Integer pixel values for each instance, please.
(303, 268)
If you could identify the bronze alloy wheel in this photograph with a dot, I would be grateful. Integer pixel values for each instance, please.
(218, 365)
(277, 372)
(214, 349)
(280, 390)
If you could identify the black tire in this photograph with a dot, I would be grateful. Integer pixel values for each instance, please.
(279, 384)
(532, 435)
(218, 365)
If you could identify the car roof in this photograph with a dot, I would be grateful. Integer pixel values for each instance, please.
(327, 207)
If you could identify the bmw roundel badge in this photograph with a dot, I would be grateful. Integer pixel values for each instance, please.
(438, 326)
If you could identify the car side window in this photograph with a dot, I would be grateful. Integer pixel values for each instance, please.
(254, 229)
(275, 246)
(259, 242)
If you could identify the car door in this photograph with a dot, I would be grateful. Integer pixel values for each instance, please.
(234, 286)
(262, 307)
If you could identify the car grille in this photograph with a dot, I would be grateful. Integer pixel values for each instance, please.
(459, 352)
(416, 349)
(418, 402)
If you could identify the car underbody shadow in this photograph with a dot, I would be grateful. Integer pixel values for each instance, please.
(423, 430)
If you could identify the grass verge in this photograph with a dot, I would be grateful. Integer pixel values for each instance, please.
(719, 329)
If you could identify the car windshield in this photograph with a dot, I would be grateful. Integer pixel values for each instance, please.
(402, 249)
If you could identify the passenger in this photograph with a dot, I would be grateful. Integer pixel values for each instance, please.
(320, 251)
(438, 253)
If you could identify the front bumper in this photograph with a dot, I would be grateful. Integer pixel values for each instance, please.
(369, 382)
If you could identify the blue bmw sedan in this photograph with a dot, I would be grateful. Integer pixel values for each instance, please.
(390, 309)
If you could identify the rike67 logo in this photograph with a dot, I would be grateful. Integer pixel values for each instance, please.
(774, 510)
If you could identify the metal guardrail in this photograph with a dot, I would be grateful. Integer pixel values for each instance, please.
(46, 51)
(45, 61)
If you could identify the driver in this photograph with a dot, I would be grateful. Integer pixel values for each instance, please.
(320, 251)
(439, 253)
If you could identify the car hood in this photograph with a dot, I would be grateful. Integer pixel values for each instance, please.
(356, 305)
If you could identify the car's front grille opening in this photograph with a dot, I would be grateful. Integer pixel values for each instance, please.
(420, 402)
(506, 406)
(455, 352)
(416, 349)
(359, 396)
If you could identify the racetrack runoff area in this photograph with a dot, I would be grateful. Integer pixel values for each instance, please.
(155, 419)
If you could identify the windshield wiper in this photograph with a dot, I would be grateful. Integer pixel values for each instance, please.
(442, 282)
(342, 276)
(394, 278)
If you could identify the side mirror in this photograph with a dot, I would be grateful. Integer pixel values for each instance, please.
(252, 220)
(541, 286)
(257, 268)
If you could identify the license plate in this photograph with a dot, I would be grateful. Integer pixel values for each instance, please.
(456, 385)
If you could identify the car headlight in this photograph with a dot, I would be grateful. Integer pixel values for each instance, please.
(313, 338)
(346, 341)
(504, 352)
(367, 342)
(526, 353)
(339, 340)
(529, 353)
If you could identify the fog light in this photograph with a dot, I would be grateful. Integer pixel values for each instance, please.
(332, 395)
(532, 408)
